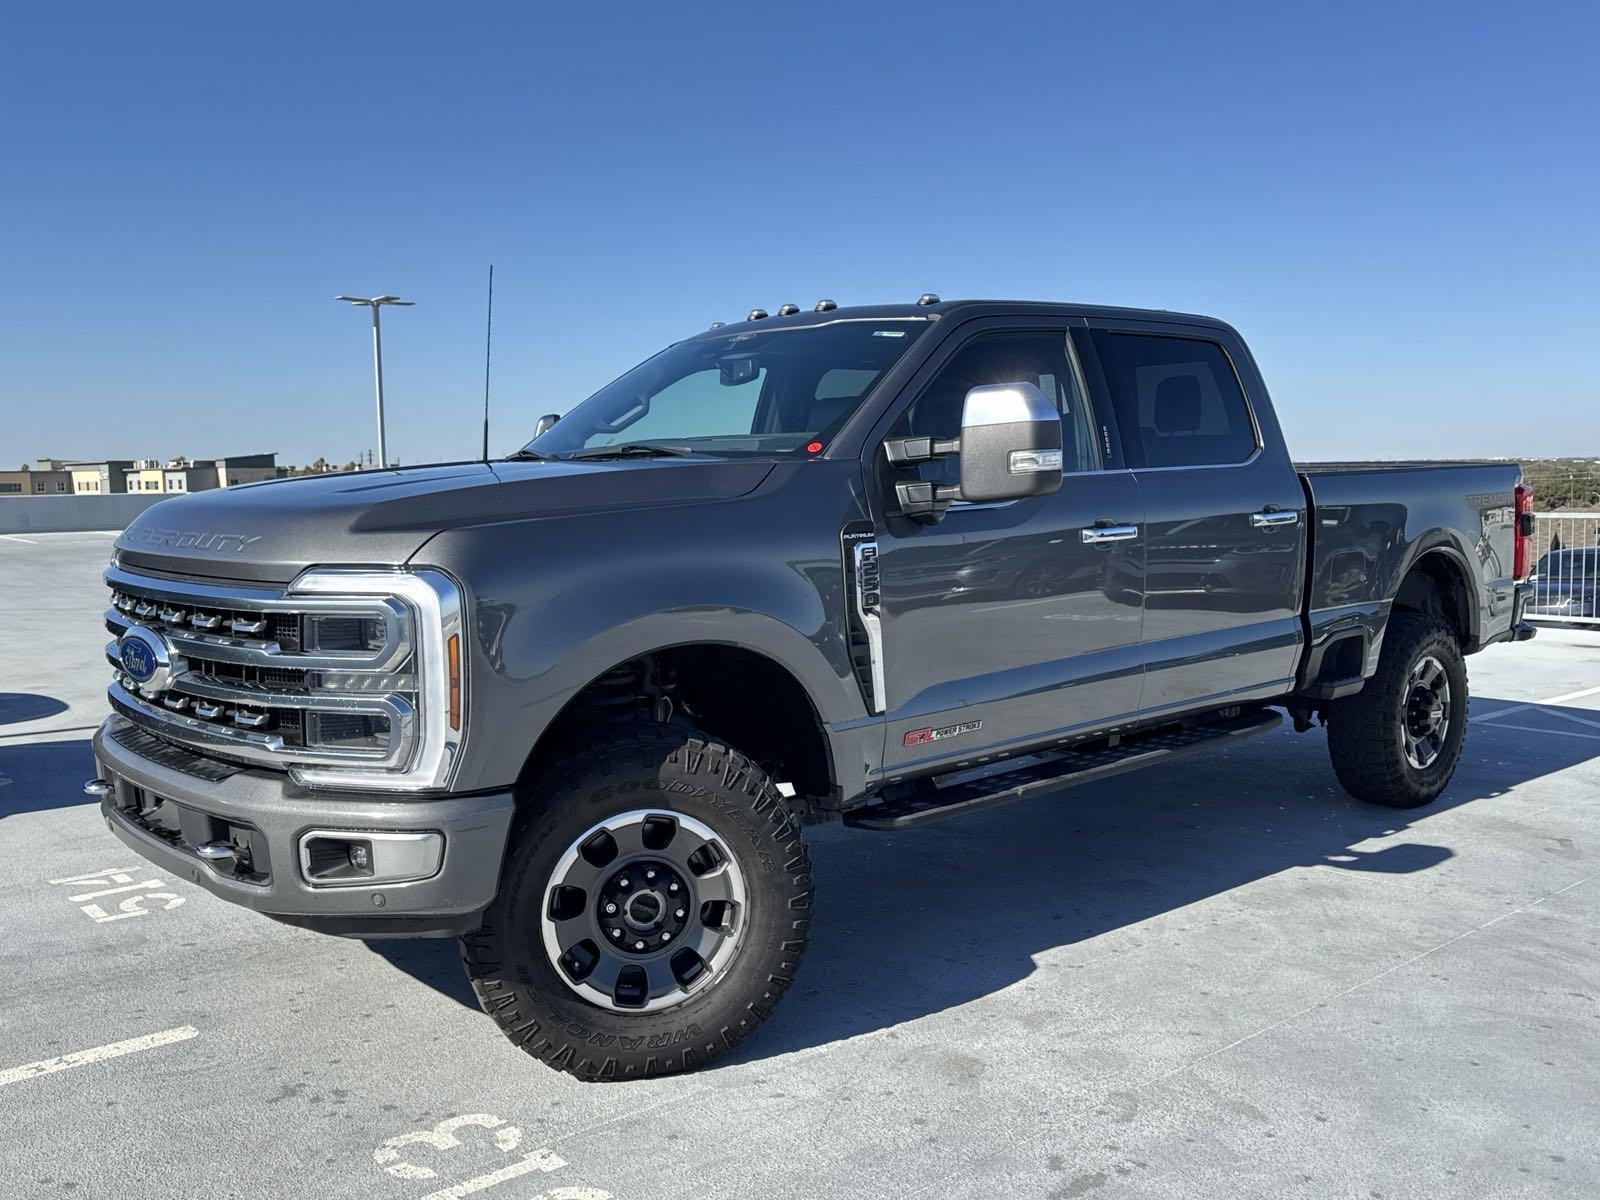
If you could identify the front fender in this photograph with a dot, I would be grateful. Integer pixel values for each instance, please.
(557, 603)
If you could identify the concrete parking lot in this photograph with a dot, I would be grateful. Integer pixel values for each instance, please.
(1223, 978)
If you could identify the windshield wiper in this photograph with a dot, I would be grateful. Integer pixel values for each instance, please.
(630, 450)
(526, 454)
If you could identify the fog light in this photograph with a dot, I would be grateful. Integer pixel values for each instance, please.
(331, 857)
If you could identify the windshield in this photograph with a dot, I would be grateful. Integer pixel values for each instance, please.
(764, 392)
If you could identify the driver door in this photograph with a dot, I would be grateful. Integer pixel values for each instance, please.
(1012, 624)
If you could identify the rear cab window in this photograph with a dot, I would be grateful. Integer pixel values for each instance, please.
(1177, 400)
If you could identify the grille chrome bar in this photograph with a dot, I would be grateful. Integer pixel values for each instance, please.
(240, 741)
(264, 652)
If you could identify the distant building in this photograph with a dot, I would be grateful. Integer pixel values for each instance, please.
(176, 476)
(100, 478)
(147, 475)
(247, 468)
(47, 480)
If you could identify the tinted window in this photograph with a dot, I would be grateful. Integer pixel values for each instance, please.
(1177, 400)
(1036, 358)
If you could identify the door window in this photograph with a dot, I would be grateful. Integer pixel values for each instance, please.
(1177, 400)
(1038, 358)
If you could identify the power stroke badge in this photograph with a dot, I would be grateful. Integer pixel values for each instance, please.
(919, 737)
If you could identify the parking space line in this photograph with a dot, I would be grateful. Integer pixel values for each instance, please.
(11, 537)
(1516, 708)
(1593, 737)
(82, 1058)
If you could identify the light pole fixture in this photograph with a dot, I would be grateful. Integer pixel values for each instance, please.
(375, 303)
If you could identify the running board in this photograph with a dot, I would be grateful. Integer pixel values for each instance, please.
(1057, 769)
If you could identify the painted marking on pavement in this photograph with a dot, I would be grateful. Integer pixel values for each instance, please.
(11, 537)
(130, 906)
(82, 1058)
(538, 1160)
(507, 1138)
(1591, 737)
(1516, 708)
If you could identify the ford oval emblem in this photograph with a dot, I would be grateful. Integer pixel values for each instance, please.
(145, 658)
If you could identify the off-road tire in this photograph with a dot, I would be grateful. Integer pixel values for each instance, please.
(1364, 730)
(656, 767)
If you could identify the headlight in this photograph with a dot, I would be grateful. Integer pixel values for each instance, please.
(425, 690)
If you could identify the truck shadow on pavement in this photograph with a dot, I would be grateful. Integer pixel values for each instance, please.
(909, 924)
(16, 707)
(39, 776)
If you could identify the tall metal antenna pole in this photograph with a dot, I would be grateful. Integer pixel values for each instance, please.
(488, 346)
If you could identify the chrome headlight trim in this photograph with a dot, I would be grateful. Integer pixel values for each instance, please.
(436, 608)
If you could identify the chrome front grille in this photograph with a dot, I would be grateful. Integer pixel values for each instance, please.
(291, 680)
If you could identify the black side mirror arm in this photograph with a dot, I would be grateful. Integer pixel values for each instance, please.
(925, 502)
(909, 451)
(922, 500)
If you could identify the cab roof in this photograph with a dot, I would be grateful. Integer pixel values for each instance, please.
(941, 309)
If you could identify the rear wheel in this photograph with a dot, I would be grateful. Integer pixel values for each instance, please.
(654, 905)
(1398, 740)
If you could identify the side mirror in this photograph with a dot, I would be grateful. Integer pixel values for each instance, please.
(1010, 443)
(1010, 447)
(545, 423)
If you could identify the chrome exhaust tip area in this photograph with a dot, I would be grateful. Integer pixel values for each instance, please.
(97, 787)
(217, 852)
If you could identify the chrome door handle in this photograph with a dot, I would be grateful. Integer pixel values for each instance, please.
(1273, 517)
(1095, 534)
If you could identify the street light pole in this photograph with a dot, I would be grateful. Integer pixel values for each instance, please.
(375, 303)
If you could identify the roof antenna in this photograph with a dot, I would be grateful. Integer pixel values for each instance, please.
(488, 346)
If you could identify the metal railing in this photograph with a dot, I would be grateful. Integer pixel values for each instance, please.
(1566, 568)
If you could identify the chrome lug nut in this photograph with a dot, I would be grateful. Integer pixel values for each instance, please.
(638, 945)
(679, 914)
(649, 874)
(673, 886)
(667, 936)
(616, 933)
(611, 907)
(623, 882)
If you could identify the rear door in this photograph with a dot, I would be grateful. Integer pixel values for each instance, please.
(1225, 516)
(1004, 625)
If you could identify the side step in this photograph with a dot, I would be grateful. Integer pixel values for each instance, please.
(1057, 769)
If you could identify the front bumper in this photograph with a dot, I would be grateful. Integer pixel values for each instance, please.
(263, 811)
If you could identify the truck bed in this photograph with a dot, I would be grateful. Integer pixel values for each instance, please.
(1370, 522)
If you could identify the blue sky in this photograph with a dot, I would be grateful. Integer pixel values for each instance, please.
(1395, 204)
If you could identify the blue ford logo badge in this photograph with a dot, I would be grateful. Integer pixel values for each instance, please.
(145, 658)
(138, 660)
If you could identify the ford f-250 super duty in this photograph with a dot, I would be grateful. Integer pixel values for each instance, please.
(879, 564)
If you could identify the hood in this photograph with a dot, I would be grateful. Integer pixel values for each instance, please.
(269, 532)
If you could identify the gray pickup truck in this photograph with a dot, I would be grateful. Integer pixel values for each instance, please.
(883, 565)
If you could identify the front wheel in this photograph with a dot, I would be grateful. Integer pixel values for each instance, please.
(1398, 740)
(654, 904)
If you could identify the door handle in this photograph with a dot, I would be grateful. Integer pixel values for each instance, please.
(1272, 518)
(1096, 534)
